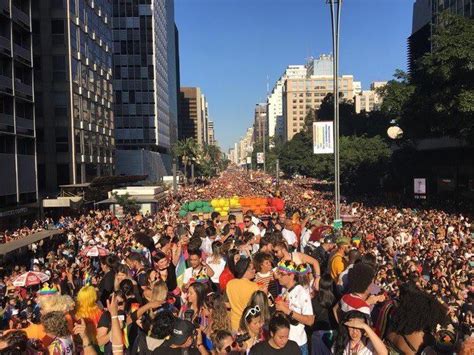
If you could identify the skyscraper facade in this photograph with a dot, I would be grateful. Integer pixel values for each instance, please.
(193, 115)
(72, 43)
(260, 129)
(276, 126)
(18, 187)
(145, 79)
(304, 94)
(425, 15)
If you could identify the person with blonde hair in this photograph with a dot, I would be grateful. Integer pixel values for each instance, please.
(87, 309)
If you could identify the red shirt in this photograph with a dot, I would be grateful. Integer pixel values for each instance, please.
(225, 277)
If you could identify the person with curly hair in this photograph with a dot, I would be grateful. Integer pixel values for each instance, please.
(56, 327)
(414, 320)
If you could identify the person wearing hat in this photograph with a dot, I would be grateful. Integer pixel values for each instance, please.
(295, 302)
(337, 264)
(240, 290)
(182, 338)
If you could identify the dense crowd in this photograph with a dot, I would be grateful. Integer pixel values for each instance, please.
(392, 280)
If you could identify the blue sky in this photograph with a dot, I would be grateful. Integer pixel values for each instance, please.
(229, 47)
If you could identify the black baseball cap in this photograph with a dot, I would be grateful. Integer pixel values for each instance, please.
(182, 330)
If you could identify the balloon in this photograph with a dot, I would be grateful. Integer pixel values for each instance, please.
(198, 204)
(182, 213)
(214, 203)
(192, 206)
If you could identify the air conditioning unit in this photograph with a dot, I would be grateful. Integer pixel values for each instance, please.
(100, 13)
(93, 36)
(97, 129)
(95, 67)
(83, 158)
(81, 124)
(88, 94)
(92, 4)
(90, 127)
(77, 21)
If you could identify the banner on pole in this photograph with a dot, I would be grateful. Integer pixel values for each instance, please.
(323, 137)
(249, 160)
(260, 157)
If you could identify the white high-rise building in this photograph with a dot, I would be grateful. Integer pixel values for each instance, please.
(357, 86)
(275, 117)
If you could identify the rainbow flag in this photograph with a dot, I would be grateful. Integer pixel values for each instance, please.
(180, 268)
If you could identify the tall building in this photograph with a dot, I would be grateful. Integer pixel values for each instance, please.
(211, 134)
(276, 126)
(260, 129)
(245, 148)
(145, 85)
(193, 115)
(426, 14)
(72, 47)
(369, 100)
(321, 66)
(304, 94)
(18, 187)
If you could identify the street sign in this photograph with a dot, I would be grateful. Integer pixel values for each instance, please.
(249, 160)
(323, 137)
(260, 157)
(337, 224)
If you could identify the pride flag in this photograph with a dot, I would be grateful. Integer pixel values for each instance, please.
(180, 268)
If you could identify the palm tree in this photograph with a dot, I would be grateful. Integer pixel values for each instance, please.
(187, 151)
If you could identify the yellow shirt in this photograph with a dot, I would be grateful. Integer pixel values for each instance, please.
(337, 266)
(239, 292)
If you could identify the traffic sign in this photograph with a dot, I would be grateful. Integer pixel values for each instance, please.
(337, 224)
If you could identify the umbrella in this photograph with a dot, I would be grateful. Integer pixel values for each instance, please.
(95, 251)
(30, 278)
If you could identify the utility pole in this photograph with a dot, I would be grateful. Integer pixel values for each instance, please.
(175, 185)
(335, 6)
(278, 173)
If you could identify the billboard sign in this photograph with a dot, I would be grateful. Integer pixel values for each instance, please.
(323, 137)
(260, 158)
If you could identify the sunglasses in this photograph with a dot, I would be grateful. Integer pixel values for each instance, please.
(252, 311)
(247, 221)
(229, 348)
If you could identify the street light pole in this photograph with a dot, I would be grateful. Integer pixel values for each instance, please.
(335, 6)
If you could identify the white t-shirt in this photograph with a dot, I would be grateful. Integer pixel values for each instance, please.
(191, 273)
(217, 268)
(289, 236)
(305, 235)
(254, 229)
(299, 300)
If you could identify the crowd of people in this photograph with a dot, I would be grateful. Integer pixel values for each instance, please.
(392, 280)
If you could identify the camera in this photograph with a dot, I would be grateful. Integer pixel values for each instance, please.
(242, 338)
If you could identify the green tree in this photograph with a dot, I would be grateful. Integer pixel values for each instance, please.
(443, 101)
(129, 205)
(396, 94)
(187, 150)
